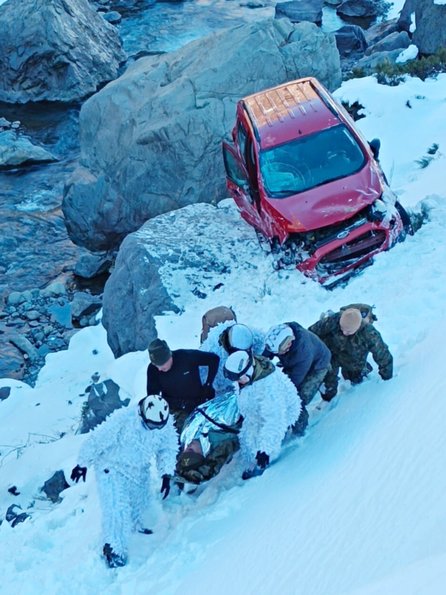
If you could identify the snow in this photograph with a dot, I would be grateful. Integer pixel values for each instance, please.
(356, 507)
(410, 53)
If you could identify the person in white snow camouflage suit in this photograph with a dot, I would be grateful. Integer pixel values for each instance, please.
(121, 450)
(269, 405)
(224, 339)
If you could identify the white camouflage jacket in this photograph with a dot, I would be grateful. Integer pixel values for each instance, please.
(122, 443)
(269, 407)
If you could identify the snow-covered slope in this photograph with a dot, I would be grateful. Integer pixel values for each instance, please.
(356, 507)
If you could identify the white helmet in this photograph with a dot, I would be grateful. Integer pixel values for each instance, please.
(240, 337)
(154, 411)
(238, 364)
(276, 337)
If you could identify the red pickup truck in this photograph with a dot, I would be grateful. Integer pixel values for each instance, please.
(303, 175)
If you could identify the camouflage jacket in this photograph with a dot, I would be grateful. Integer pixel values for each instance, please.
(350, 353)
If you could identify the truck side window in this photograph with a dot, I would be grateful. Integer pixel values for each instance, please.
(242, 137)
(252, 172)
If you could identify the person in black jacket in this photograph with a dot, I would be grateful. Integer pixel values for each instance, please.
(303, 356)
(176, 376)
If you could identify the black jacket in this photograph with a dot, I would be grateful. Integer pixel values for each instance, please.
(181, 386)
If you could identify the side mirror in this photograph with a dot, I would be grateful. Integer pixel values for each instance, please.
(375, 145)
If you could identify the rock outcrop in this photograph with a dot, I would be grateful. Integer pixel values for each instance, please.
(151, 140)
(173, 259)
(430, 33)
(55, 50)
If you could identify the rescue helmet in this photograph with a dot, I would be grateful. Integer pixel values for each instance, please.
(154, 411)
(238, 364)
(278, 337)
(240, 337)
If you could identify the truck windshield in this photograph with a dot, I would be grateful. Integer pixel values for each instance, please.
(311, 161)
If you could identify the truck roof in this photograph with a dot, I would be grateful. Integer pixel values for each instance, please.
(290, 110)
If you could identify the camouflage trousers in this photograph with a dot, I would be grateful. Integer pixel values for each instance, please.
(311, 384)
(355, 375)
(223, 446)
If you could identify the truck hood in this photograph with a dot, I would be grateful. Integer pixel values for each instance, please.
(329, 203)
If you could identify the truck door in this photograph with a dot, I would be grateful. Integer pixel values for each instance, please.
(239, 184)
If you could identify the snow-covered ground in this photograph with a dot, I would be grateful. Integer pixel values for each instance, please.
(356, 507)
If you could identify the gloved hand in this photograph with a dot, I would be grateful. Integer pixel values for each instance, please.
(165, 486)
(262, 459)
(78, 472)
(208, 392)
(329, 394)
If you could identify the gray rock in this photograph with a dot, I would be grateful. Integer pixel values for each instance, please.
(151, 141)
(53, 290)
(55, 50)
(112, 17)
(5, 391)
(300, 10)
(91, 265)
(350, 39)
(18, 150)
(84, 304)
(377, 32)
(15, 298)
(369, 63)
(170, 258)
(25, 346)
(12, 364)
(32, 314)
(405, 18)
(103, 399)
(54, 486)
(430, 33)
(358, 8)
(13, 517)
(395, 41)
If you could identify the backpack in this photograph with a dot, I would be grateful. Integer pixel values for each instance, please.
(213, 317)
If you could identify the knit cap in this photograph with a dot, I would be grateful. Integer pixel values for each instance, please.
(350, 321)
(159, 352)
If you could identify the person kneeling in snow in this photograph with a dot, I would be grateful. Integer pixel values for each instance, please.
(121, 450)
(351, 336)
(304, 357)
(268, 402)
(224, 339)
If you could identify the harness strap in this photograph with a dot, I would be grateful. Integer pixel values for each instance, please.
(216, 423)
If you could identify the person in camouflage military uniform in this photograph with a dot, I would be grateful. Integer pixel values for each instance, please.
(351, 336)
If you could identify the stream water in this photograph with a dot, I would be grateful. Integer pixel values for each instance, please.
(34, 246)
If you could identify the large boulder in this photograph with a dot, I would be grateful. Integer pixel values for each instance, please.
(350, 39)
(394, 41)
(174, 258)
(358, 8)
(55, 50)
(300, 10)
(151, 140)
(430, 33)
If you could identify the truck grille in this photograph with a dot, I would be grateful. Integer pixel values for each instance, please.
(351, 252)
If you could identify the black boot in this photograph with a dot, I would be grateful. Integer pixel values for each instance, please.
(113, 559)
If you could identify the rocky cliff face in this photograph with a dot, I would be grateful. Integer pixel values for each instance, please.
(55, 50)
(151, 140)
